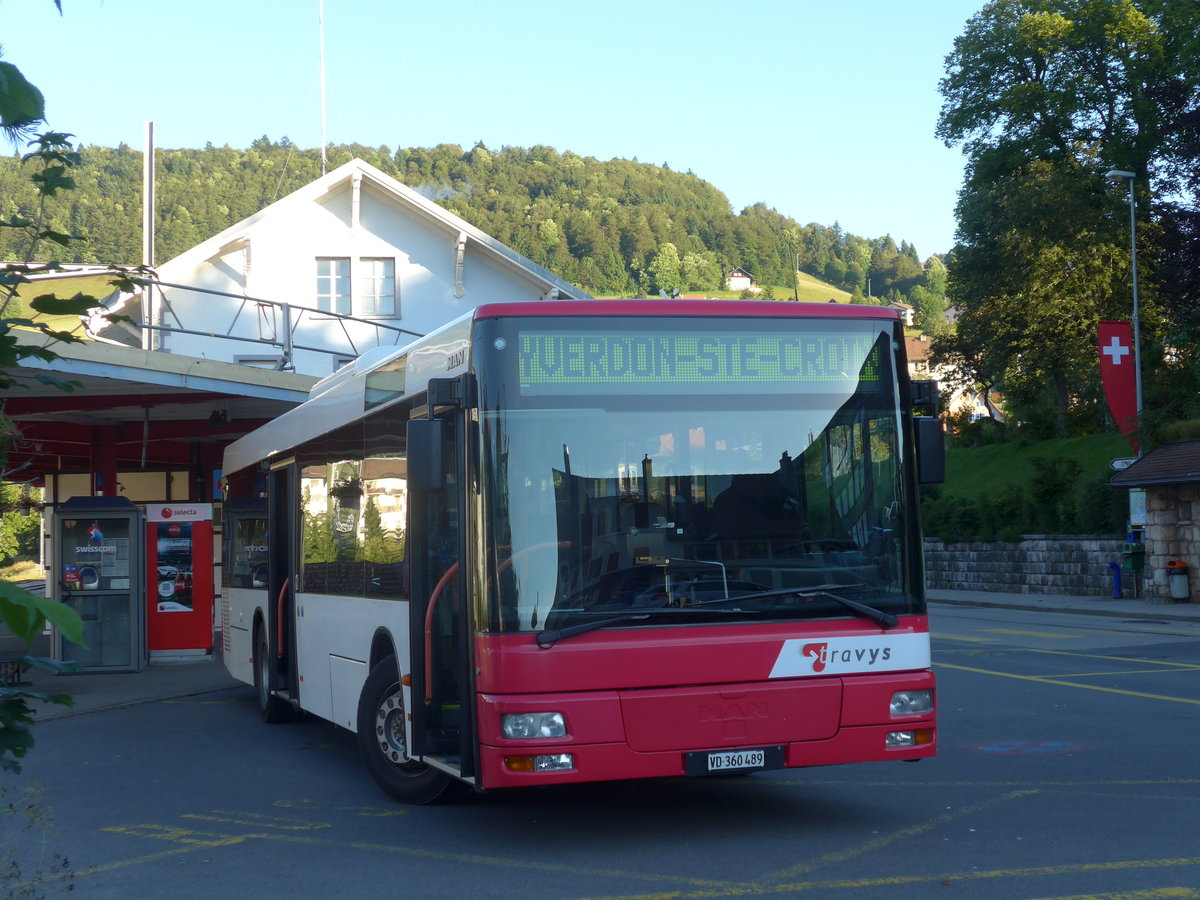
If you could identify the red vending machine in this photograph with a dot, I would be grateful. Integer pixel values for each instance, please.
(179, 556)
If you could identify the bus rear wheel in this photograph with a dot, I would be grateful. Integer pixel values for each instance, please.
(381, 740)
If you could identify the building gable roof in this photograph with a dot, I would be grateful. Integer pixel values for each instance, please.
(1177, 463)
(423, 207)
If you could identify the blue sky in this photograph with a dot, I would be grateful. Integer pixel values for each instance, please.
(823, 110)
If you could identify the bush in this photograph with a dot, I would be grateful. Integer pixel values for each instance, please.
(1103, 509)
(1051, 505)
(982, 432)
(1003, 515)
(952, 518)
(1053, 490)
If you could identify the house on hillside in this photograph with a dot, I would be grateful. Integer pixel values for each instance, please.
(975, 404)
(740, 280)
(918, 351)
(353, 261)
(906, 313)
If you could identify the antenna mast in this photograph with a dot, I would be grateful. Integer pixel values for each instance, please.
(321, 29)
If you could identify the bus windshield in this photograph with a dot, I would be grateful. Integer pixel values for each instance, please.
(696, 471)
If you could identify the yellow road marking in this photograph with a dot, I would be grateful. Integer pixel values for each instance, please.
(693, 887)
(1083, 687)
(257, 820)
(374, 812)
(944, 879)
(1175, 893)
(1144, 662)
(197, 840)
(1038, 785)
(912, 831)
(960, 637)
(1037, 634)
(1117, 672)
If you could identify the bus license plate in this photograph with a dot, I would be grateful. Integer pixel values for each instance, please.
(747, 760)
(738, 759)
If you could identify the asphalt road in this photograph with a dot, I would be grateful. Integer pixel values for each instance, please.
(1069, 766)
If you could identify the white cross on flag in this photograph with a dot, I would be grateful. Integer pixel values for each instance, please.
(1119, 377)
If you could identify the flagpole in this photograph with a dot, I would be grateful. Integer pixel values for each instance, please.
(1137, 320)
(1119, 175)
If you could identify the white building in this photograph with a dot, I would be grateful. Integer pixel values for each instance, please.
(352, 261)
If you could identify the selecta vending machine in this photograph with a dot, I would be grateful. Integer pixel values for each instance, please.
(98, 569)
(179, 570)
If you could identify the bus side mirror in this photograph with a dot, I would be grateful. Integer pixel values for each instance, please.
(924, 395)
(931, 450)
(425, 454)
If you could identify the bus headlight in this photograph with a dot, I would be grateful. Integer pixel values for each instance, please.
(533, 726)
(912, 703)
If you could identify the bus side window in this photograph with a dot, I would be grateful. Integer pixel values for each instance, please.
(385, 484)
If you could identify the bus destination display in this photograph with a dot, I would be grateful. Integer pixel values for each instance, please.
(564, 363)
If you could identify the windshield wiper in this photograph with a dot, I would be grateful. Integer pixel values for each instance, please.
(879, 617)
(549, 636)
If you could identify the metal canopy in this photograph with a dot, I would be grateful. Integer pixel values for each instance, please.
(136, 409)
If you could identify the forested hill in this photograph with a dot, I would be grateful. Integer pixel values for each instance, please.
(613, 228)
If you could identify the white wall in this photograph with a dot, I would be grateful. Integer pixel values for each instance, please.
(276, 260)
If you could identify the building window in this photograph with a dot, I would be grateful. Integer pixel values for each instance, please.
(333, 284)
(377, 293)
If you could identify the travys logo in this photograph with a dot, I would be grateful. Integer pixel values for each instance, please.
(799, 658)
(819, 654)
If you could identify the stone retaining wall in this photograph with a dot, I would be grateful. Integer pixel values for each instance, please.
(1037, 564)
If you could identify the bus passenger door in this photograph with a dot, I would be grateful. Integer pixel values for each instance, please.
(442, 713)
(279, 625)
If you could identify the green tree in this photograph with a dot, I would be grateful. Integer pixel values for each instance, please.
(19, 530)
(1044, 96)
(936, 276)
(665, 269)
(1039, 264)
(929, 310)
(700, 272)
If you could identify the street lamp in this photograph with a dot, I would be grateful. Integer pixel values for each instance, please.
(1119, 175)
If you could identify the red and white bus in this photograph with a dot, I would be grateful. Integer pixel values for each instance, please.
(575, 541)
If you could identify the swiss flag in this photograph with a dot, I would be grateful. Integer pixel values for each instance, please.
(1119, 376)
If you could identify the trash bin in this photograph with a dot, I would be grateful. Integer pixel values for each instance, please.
(1177, 579)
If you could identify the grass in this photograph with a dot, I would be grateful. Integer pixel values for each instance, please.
(981, 471)
(811, 290)
(814, 290)
(96, 285)
(24, 570)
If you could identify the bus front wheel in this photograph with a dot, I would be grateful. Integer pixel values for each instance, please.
(271, 708)
(381, 740)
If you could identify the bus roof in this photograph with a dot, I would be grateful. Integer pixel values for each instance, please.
(732, 308)
(341, 398)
